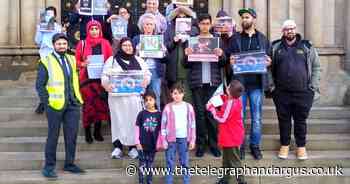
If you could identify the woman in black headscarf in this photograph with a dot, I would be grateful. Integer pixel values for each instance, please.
(124, 108)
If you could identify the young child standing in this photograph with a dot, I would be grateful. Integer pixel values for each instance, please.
(178, 133)
(147, 130)
(230, 129)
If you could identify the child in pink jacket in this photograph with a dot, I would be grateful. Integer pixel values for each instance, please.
(178, 133)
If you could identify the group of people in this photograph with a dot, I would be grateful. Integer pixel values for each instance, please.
(175, 113)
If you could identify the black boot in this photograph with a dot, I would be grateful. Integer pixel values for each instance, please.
(255, 151)
(97, 132)
(242, 153)
(88, 137)
(40, 109)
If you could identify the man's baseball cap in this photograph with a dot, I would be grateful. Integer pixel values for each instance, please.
(251, 11)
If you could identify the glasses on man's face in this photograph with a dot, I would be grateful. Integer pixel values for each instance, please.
(289, 29)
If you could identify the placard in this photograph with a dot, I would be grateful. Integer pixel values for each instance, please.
(183, 28)
(223, 23)
(95, 66)
(203, 49)
(127, 83)
(183, 2)
(151, 46)
(250, 62)
(119, 27)
(47, 21)
(93, 7)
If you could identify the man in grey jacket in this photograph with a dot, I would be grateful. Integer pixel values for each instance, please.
(296, 75)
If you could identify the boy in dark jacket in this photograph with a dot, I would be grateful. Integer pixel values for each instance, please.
(204, 78)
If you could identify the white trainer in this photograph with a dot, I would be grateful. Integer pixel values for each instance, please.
(116, 154)
(133, 153)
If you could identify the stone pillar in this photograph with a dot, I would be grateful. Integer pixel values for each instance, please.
(278, 13)
(214, 7)
(262, 12)
(232, 7)
(57, 5)
(314, 22)
(347, 35)
(29, 19)
(5, 14)
(297, 12)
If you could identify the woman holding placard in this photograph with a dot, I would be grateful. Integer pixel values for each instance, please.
(123, 76)
(154, 57)
(91, 54)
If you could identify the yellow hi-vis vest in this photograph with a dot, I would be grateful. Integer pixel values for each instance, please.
(55, 83)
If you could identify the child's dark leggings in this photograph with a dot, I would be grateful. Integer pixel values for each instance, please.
(146, 159)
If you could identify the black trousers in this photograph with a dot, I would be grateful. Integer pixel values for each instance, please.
(296, 106)
(69, 118)
(206, 126)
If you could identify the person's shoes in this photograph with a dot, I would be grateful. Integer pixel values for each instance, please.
(40, 109)
(221, 181)
(242, 153)
(301, 153)
(88, 137)
(133, 153)
(116, 154)
(283, 153)
(216, 152)
(255, 151)
(51, 174)
(199, 152)
(97, 132)
(74, 169)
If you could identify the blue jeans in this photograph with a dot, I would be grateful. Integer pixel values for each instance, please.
(170, 155)
(255, 98)
(155, 85)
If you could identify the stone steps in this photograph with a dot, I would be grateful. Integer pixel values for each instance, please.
(269, 142)
(119, 176)
(101, 160)
(324, 112)
(20, 128)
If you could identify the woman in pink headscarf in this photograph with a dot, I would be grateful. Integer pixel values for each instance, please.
(95, 108)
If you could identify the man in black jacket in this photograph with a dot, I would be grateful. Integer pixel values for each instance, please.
(249, 40)
(296, 75)
(204, 78)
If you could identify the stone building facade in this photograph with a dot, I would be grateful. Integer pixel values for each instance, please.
(325, 22)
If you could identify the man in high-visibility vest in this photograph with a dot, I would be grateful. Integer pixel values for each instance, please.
(58, 88)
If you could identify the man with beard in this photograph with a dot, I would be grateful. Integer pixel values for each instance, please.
(58, 88)
(249, 40)
(296, 74)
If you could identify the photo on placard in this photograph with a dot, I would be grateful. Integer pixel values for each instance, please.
(223, 24)
(183, 27)
(127, 83)
(151, 46)
(203, 49)
(250, 62)
(47, 21)
(119, 28)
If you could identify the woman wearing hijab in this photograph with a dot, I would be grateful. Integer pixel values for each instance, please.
(95, 108)
(124, 109)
